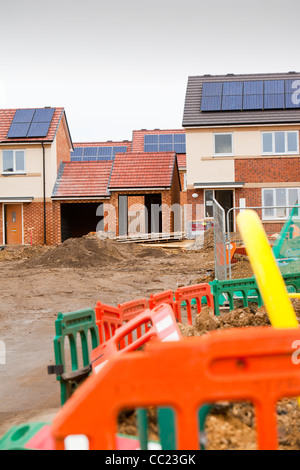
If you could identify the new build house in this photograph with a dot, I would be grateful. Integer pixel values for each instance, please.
(123, 188)
(33, 142)
(242, 139)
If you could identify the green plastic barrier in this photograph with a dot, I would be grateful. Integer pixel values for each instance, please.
(245, 288)
(18, 436)
(70, 325)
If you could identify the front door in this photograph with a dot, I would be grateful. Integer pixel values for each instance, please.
(13, 224)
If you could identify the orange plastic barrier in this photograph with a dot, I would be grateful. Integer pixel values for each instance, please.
(187, 294)
(108, 319)
(130, 310)
(166, 297)
(239, 364)
(159, 323)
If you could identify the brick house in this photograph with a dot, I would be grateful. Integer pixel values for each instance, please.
(86, 191)
(33, 142)
(111, 195)
(242, 138)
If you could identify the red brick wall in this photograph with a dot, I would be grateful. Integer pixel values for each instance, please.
(33, 218)
(62, 145)
(267, 170)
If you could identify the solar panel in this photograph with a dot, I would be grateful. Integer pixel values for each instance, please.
(89, 158)
(291, 86)
(151, 139)
(211, 103)
(43, 115)
(90, 151)
(166, 148)
(23, 115)
(179, 148)
(119, 150)
(76, 159)
(179, 138)
(253, 102)
(78, 152)
(231, 103)
(104, 151)
(18, 130)
(255, 87)
(151, 148)
(166, 139)
(212, 89)
(233, 88)
(292, 100)
(38, 129)
(275, 101)
(273, 87)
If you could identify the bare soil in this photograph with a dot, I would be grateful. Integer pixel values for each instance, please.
(39, 282)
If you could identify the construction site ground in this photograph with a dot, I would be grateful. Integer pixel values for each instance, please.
(39, 282)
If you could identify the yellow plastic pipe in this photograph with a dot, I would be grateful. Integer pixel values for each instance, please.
(294, 296)
(266, 271)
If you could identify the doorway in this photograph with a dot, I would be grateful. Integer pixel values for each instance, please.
(225, 199)
(78, 219)
(153, 213)
(13, 224)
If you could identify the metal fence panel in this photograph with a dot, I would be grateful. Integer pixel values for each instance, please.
(220, 242)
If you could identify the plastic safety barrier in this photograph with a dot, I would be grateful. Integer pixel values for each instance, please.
(232, 365)
(130, 310)
(108, 319)
(70, 325)
(246, 287)
(165, 297)
(189, 293)
(159, 323)
(20, 437)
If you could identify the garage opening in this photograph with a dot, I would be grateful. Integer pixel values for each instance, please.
(78, 219)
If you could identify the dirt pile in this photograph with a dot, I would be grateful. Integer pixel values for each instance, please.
(90, 251)
(19, 253)
(238, 318)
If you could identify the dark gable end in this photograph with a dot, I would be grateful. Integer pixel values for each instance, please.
(193, 117)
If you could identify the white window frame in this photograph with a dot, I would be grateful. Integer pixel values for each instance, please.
(14, 172)
(288, 211)
(208, 189)
(273, 143)
(214, 145)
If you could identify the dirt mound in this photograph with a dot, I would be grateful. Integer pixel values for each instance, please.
(238, 318)
(23, 252)
(90, 251)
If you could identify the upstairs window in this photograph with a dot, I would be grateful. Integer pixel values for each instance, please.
(223, 144)
(280, 143)
(276, 200)
(13, 161)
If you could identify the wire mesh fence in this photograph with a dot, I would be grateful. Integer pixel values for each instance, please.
(221, 267)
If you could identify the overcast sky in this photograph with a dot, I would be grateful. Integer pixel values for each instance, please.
(120, 65)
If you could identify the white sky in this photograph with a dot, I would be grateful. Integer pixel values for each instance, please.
(120, 65)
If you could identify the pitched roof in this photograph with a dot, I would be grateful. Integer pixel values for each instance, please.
(6, 118)
(82, 179)
(137, 170)
(193, 116)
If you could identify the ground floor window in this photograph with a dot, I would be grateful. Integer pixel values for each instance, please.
(274, 197)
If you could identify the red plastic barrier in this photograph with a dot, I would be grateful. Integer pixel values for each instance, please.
(234, 365)
(130, 310)
(160, 323)
(187, 294)
(166, 297)
(108, 319)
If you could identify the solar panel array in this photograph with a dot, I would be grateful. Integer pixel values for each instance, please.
(101, 153)
(165, 143)
(30, 123)
(250, 95)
